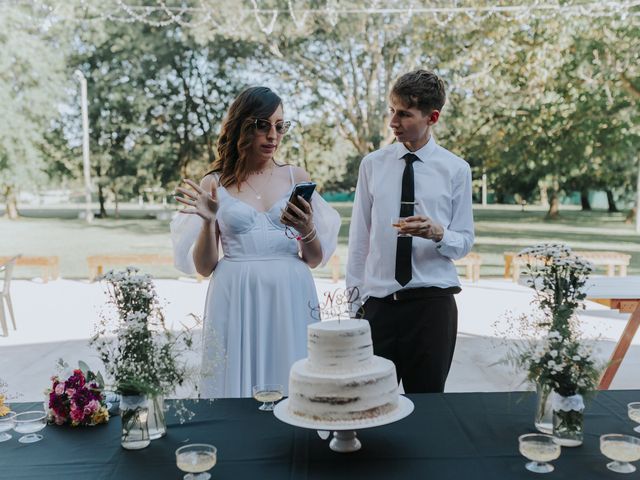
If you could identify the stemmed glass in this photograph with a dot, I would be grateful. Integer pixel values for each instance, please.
(540, 449)
(634, 414)
(6, 423)
(196, 459)
(268, 394)
(622, 449)
(28, 423)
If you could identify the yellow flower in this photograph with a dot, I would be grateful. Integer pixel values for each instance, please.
(101, 416)
(3, 408)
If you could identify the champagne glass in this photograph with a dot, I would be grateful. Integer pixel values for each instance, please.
(540, 449)
(196, 459)
(28, 423)
(634, 414)
(397, 223)
(622, 449)
(7, 422)
(268, 394)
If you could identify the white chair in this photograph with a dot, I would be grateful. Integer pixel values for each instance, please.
(5, 295)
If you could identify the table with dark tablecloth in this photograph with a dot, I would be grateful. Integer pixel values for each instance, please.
(448, 436)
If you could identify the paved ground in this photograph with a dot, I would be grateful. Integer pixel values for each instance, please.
(55, 320)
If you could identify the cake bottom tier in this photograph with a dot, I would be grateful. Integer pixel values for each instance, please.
(327, 397)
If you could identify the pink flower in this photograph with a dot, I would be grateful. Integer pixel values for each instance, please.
(76, 415)
(59, 389)
(70, 392)
(59, 419)
(91, 407)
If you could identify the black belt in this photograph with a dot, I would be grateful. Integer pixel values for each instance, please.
(419, 293)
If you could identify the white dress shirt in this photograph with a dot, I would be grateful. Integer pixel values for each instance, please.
(442, 192)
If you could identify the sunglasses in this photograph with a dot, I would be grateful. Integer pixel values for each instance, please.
(264, 126)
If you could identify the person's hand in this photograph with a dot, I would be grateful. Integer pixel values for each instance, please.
(202, 203)
(421, 226)
(300, 218)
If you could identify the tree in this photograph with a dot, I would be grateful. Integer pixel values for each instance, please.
(31, 79)
(156, 101)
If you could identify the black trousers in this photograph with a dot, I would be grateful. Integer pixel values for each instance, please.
(418, 336)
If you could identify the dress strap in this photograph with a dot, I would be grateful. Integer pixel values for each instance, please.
(293, 182)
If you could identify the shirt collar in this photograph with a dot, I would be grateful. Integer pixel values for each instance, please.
(423, 153)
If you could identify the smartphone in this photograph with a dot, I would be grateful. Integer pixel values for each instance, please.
(304, 189)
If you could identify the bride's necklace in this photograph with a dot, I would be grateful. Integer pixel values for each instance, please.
(257, 194)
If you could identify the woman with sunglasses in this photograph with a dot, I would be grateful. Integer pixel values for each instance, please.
(261, 296)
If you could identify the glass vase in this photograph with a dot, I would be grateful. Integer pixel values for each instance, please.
(134, 412)
(568, 420)
(157, 422)
(543, 420)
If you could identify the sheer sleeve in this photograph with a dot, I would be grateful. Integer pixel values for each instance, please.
(327, 222)
(184, 233)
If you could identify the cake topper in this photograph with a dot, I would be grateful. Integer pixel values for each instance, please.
(341, 303)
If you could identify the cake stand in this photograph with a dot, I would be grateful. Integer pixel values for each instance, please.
(344, 433)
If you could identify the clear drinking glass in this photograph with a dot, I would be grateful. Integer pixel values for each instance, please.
(397, 222)
(269, 394)
(634, 414)
(196, 459)
(7, 422)
(28, 423)
(540, 449)
(622, 449)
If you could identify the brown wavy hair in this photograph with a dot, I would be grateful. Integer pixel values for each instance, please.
(238, 132)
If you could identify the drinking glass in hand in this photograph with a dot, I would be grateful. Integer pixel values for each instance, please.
(634, 414)
(196, 459)
(622, 449)
(7, 422)
(268, 394)
(540, 449)
(398, 223)
(28, 423)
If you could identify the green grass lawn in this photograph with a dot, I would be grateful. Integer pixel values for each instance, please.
(498, 229)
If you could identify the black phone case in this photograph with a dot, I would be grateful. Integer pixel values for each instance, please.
(305, 190)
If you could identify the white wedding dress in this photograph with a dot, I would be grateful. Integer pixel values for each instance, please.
(260, 296)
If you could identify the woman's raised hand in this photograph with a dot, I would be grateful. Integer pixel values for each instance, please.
(201, 202)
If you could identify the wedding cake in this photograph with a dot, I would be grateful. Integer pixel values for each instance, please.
(341, 380)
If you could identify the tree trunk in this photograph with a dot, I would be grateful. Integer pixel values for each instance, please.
(11, 203)
(115, 199)
(554, 206)
(101, 199)
(611, 201)
(584, 200)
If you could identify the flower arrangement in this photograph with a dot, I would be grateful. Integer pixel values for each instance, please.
(553, 354)
(141, 356)
(563, 364)
(558, 278)
(4, 409)
(77, 400)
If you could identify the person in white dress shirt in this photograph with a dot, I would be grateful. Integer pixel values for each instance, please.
(403, 267)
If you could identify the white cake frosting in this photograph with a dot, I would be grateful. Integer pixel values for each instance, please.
(342, 380)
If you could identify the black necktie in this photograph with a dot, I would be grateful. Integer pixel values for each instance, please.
(407, 199)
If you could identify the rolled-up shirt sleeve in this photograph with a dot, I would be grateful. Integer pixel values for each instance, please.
(458, 236)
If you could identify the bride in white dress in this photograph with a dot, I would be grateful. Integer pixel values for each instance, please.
(261, 293)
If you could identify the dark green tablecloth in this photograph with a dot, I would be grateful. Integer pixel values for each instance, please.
(448, 436)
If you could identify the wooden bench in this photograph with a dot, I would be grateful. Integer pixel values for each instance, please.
(97, 263)
(472, 263)
(610, 260)
(50, 265)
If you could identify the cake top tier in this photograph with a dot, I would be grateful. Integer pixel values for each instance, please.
(341, 326)
(339, 344)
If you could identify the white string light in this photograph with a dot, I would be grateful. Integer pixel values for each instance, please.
(160, 14)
